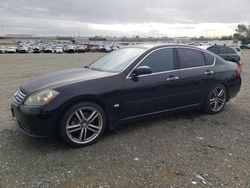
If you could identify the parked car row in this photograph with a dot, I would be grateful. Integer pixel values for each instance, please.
(57, 46)
(57, 49)
(245, 46)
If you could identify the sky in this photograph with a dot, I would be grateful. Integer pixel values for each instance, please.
(156, 18)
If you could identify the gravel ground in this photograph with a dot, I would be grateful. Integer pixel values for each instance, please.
(188, 149)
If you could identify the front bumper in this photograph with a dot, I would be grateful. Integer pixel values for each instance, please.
(34, 122)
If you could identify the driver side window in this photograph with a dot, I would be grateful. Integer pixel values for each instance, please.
(160, 60)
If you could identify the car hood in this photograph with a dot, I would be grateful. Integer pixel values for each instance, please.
(59, 78)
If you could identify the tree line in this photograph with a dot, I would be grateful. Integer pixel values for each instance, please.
(242, 33)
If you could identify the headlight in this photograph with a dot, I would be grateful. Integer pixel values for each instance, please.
(42, 98)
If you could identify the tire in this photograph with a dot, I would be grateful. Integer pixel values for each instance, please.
(82, 124)
(215, 100)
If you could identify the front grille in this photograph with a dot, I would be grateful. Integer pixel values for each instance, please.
(19, 97)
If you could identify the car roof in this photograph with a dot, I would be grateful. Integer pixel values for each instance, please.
(156, 46)
(221, 46)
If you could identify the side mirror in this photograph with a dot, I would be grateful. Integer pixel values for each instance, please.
(141, 70)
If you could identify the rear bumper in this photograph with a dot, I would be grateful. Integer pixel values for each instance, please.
(33, 122)
(234, 87)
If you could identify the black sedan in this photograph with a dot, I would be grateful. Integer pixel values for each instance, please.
(227, 53)
(129, 83)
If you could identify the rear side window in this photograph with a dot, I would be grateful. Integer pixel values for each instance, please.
(214, 49)
(160, 60)
(189, 58)
(226, 50)
(209, 58)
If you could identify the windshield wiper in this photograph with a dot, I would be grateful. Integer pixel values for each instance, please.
(96, 69)
(87, 67)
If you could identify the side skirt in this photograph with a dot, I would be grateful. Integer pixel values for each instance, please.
(162, 111)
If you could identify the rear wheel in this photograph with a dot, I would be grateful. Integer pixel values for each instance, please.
(83, 124)
(216, 99)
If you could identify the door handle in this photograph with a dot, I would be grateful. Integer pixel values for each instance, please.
(172, 78)
(209, 72)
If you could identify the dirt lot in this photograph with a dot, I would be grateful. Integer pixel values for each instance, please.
(182, 150)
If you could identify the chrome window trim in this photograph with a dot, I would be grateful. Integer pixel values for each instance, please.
(175, 70)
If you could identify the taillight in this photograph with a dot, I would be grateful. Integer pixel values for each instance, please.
(238, 71)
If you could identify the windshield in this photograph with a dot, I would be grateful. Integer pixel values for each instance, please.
(117, 60)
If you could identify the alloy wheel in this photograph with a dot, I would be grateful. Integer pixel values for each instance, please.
(84, 125)
(217, 99)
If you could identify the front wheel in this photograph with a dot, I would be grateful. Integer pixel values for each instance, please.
(83, 124)
(216, 99)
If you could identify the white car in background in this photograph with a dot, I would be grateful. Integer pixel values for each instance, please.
(115, 48)
(107, 48)
(70, 49)
(58, 50)
(23, 49)
(204, 47)
(36, 49)
(11, 50)
(47, 49)
(2, 50)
